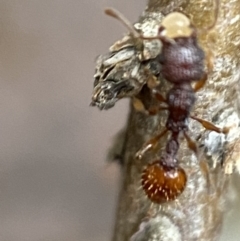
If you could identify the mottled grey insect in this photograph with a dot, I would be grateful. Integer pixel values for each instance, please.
(130, 64)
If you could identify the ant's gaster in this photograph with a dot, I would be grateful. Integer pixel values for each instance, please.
(183, 62)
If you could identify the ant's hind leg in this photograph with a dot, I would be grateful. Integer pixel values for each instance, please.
(191, 143)
(210, 126)
(151, 144)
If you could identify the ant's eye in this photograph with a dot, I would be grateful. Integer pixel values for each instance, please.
(162, 183)
(176, 25)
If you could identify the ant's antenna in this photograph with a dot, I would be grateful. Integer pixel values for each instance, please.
(216, 13)
(119, 16)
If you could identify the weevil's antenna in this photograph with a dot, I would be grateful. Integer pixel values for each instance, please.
(119, 16)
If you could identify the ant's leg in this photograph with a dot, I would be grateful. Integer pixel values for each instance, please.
(158, 96)
(139, 106)
(210, 126)
(191, 143)
(209, 59)
(151, 144)
(200, 83)
(209, 63)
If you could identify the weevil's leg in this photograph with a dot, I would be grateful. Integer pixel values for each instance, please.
(191, 143)
(210, 126)
(152, 83)
(152, 80)
(139, 106)
(151, 144)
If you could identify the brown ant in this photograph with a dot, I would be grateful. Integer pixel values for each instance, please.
(183, 62)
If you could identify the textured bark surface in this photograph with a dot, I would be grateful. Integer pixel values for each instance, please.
(198, 213)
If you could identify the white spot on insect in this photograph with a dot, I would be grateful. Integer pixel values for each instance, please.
(151, 186)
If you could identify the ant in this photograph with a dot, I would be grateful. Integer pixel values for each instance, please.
(183, 62)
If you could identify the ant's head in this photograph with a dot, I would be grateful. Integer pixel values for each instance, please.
(176, 25)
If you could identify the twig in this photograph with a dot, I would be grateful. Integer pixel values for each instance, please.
(199, 211)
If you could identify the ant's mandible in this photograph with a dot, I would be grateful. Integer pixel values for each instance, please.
(183, 62)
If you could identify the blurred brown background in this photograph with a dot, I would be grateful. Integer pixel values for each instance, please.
(54, 181)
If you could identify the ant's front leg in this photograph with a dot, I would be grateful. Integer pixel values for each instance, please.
(199, 85)
(151, 144)
(158, 96)
(152, 110)
(209, 62)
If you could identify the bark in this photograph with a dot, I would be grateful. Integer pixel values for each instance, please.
(198, 213)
